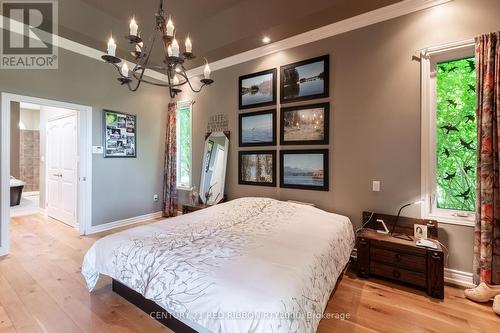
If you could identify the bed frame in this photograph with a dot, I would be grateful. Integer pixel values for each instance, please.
(163, 316)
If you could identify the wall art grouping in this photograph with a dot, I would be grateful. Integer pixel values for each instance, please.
(298, 125)
(120, 134)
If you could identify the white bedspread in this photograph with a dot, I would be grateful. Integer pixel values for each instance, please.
(248, 265)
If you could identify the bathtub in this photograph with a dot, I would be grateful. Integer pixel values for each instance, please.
(16, 191)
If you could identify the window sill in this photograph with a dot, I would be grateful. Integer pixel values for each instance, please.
(184, 188)
(461, 221)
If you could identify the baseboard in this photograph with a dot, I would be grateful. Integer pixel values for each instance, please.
(121, 223)
(458, 278)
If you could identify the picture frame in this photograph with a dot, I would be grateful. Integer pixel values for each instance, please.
(247, 165)
(419, 231)
(304, 169)
(305, 124)
(257, 89)
(305, 80)
(257, 128)
(120, 134)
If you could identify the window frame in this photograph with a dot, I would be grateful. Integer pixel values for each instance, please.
(428, 60)
(182, 105)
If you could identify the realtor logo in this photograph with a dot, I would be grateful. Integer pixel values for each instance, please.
(29, 30)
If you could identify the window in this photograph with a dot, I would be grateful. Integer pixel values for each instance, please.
(449, 136)
(184, 154)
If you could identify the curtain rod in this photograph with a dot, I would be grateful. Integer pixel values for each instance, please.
(445, 47)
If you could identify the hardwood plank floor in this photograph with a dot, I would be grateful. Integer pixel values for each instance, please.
(42, 290)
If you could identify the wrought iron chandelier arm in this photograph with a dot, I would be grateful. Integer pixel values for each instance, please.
(183, 74)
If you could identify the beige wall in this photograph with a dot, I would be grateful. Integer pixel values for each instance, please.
(375, 118)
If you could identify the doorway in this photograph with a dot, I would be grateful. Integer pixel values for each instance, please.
(63, 188)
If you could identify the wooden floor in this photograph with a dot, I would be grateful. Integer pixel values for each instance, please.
(42, 290)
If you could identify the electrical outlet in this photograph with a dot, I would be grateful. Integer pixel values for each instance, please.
(376, 186)
(156, 197)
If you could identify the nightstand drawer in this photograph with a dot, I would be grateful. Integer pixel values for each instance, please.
(399, 259)
(399, 274)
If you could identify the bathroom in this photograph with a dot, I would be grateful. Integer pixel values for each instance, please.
(25, 158)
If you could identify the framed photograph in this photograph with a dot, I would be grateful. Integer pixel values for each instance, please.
(257, 168)
(308, 79)
(257, 128)
(257, 89)
(419, 231)
(304, 169)
(119, 134)
(305, 125)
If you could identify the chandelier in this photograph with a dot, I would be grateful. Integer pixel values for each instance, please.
(173, 63)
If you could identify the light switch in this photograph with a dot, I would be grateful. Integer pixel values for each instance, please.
(97, 149)
(376, 186)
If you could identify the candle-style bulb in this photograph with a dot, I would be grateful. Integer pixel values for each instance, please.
(206, 71)
(170, 28)
(189, 45)
(175, 48)
(139, 46)
(175, 80)
(169, 51)
(133, 27)
(125, 69)
(111, 46)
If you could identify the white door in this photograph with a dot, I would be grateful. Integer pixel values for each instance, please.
(62, 166)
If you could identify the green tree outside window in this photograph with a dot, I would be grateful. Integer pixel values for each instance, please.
(184, 145)
(456, 134)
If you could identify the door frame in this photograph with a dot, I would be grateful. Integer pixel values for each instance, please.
(84, 116)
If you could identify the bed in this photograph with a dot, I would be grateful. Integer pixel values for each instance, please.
(248, 265)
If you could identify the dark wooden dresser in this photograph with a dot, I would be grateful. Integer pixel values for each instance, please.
(189, 208)
(401, 260)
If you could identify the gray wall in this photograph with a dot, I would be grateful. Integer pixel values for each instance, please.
(124, 187)
(375, 118)
(15, 137)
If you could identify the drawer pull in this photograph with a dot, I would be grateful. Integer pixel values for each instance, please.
(398, 257)
(396, 274)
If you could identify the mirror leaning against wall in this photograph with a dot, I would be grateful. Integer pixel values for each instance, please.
(213, 172)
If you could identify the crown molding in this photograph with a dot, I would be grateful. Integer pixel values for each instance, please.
(360, 21)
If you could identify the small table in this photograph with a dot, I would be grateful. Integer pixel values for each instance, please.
(189, 208)
(401, 260)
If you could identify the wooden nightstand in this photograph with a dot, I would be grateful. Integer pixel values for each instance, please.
(189, 208)
(401, 260)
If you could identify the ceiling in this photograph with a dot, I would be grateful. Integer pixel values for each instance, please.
(218, 28)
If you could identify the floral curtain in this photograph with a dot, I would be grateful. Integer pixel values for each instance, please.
(487, 229)
(170, 176)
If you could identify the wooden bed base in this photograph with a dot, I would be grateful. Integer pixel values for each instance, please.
(160, 314)
(151, 308)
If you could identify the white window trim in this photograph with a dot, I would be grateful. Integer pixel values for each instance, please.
(181, 105)
(428, 130)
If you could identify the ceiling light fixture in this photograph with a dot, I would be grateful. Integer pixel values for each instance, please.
(266, 40)
(173, 63)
